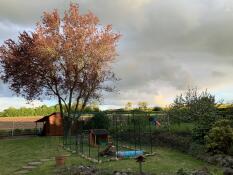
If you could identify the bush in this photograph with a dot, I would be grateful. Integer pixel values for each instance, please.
(220, 137)
(197, 150)
(99, 121)
(157, 108)
(197, 108)
(29, 131)
(181, 171)
(172, 140)
(18, 131)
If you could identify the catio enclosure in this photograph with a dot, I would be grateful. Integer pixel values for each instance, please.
(128, 133)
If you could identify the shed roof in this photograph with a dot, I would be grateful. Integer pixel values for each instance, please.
(45, 118)
(99, 131)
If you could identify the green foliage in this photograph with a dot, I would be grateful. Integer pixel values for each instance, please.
(220, 137)
(38, 111)
(202, 127)
(181, 171)
(192, 106)
(128, 106)
(157, 108)
(142, 105)
(89, 108)
(180, 128)
(99, 121)
(178, 114)
(198, 108)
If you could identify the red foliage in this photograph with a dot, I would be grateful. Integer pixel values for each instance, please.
(68, 57)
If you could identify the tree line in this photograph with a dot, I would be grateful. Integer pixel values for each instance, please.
(40, 111)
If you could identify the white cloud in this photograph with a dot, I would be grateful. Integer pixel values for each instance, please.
(17, 102)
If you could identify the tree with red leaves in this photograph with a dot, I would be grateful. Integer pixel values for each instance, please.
(68, 58)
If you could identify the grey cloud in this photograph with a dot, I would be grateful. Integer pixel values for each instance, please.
(166, 45)
(218, 74)
(143, 70)
(10, 30)
(28, 12)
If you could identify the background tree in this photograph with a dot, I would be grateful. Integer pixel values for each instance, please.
(157, 108)
(128, 106)
(195, 107)
(142, 105)
(68, 58)
(99, 121)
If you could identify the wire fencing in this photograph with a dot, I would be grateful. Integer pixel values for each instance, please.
(127, 131)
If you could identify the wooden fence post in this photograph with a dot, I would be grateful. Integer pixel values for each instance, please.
(12, 129)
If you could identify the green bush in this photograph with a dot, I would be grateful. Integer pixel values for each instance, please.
(157, 108)
(220, 137)
(202, 127)
(181, 171)
(99, 121)
(197, 150)
(195, 107)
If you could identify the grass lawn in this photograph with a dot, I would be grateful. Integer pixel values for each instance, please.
(16, 153)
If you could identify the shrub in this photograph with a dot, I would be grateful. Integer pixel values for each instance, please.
(18, 131)
(28, 131)
(194, 107)
(202, 127)
(99, 121)
(197, 150)
(157, 108)
(220, 137)
(181, 171)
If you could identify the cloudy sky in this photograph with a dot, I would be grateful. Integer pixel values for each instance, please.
(167, 45)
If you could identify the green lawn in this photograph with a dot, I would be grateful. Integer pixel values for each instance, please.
(16, 153)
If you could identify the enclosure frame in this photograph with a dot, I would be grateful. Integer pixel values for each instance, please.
(75, 142)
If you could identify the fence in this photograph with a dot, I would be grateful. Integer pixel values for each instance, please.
(127, 131)
(18, 126)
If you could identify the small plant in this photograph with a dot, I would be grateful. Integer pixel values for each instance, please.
(220, 137)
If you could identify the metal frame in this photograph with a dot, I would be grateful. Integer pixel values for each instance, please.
(132, 122)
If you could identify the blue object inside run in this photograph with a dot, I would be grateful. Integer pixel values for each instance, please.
(132, 153)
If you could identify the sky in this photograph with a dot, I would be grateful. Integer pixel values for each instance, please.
(167, 46)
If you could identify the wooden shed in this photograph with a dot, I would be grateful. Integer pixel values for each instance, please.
(98, 137)
(52, 125)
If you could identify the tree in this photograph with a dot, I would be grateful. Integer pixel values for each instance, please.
(200, 108)
(68, 58)
(142, 105)
(128, 106)
(157, 108)
(99, 121)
